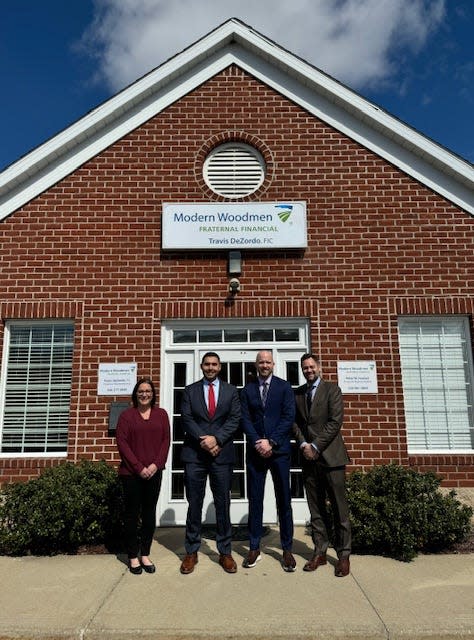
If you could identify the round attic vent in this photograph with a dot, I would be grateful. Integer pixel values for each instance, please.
(234, 170)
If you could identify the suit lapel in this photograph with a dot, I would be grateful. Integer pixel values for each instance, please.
(202, 399)
(316, 396)
(220, 397)
(309, 410)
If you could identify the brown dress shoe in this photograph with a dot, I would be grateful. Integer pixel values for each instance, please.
(288, 562)
(315, 562)
(228, 563)
(343, 567)
(252, 558)
(189, 561)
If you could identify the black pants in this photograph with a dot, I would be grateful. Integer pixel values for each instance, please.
(140, 499)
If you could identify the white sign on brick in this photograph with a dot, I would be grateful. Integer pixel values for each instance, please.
(245, 225)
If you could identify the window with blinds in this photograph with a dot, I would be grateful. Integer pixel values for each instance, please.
(36, 387)
(437, 375)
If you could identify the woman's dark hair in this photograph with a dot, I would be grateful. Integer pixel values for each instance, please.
(135, 390)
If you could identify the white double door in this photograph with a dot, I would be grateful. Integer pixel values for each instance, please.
(238, 366)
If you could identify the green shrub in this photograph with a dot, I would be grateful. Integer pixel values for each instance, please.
(399, 512)
(67, 506)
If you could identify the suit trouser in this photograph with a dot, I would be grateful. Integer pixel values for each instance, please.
(140, 498)
(279, 467)
(220, 479)
(321, 483)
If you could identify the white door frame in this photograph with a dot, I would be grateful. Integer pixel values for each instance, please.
(171, 510)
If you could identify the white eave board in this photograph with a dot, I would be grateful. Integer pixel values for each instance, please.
(235, 43)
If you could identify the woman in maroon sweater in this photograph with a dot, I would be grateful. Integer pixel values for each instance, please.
(143, 440)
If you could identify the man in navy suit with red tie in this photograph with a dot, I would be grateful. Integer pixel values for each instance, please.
(268, 413)
(210, 411)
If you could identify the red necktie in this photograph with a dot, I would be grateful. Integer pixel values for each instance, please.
(211, 401)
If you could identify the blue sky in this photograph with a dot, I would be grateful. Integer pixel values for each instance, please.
(59, 60)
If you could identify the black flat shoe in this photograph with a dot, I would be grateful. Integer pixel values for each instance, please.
(135, 570)
(149, 568)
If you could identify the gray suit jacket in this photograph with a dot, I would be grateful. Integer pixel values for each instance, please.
(322, 425)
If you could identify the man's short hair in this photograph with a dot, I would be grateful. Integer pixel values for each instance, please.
(307, 356)
(210, 354)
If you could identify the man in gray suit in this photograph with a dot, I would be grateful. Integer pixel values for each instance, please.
(210, 412)
(319, 415)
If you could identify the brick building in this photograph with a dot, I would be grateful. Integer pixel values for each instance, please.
(106, 271)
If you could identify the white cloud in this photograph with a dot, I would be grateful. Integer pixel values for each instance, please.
(356, 41)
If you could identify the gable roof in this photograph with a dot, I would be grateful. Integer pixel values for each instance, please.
(236, 43)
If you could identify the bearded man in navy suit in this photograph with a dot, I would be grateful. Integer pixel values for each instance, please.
(268, 413)
(210, 412)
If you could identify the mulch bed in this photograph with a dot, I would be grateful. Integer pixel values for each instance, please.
(92, 550)
(462, 547)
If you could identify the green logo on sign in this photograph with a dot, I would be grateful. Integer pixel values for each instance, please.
(284, 211)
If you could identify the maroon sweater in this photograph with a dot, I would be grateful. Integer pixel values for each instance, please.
(141, 442)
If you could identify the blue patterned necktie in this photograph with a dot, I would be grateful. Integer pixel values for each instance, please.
(264, 392)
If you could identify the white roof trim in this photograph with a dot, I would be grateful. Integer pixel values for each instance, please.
(234, 42)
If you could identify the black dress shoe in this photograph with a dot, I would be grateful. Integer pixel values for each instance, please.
(135, 570)
(149, 568)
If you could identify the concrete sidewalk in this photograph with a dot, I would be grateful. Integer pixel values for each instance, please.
(95, 596)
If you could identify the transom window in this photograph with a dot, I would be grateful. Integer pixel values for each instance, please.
(260, 335)
(437, 374)
(36, 387)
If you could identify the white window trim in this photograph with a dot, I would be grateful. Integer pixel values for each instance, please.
(3, 379)
(413, 451)
(169, 326)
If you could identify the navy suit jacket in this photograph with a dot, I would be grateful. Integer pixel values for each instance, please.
(274, 421)
(196, 422)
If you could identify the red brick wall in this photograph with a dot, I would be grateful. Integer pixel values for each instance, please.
(380, 244)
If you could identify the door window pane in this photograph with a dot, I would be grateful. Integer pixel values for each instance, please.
(236, 374)
(238, 486)
(292, 373)
(177, 433)
(184, 336)
(287, 335)
(177, 486)
(261, 335)
(210, 335)
(180, 374)
(235, 335)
